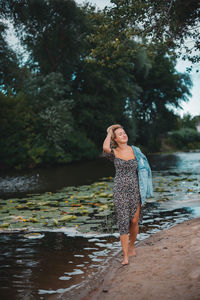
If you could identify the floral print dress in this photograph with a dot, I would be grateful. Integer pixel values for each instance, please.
(126, 193)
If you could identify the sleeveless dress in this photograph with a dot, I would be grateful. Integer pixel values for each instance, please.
(126, 193)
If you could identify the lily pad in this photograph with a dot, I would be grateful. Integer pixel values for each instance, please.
(67, 218)
(55, 222)
(103, 207)
(33, 220)
(34, 235)
(4, 225)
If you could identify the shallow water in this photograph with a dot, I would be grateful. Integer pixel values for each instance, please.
(54, 262)
(18, 183)
(57, 262)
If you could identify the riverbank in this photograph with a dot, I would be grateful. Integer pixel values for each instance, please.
(63, 237)
(167, 266)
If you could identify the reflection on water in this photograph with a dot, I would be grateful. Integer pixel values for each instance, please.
(36, 267)
(15, 183)
(58, 262)
(179, 161)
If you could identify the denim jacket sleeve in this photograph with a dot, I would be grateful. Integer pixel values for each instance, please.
(144, 175)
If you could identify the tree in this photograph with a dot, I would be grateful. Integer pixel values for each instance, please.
(103, 94)
(37, 126)
(161, 89)
(87, 69)
(170, 23)
(52, 32)
(16, 126)
(11, 74)
(54, 126)
(187, 121)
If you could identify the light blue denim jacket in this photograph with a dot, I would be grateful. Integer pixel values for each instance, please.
(144, 175)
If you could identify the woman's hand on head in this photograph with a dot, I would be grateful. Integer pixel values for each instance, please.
(109, 139)
(110, 128)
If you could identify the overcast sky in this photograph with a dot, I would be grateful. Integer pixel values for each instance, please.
(193, 106)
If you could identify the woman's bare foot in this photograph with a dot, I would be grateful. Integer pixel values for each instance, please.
(131, 252)
(125, 261)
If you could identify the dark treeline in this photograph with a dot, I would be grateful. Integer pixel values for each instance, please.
(85, 72)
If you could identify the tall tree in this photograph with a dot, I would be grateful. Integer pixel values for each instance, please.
(52, 32)
(173, 23)
(87, 69)
(163, 89)
(11, 73)
(103, 93)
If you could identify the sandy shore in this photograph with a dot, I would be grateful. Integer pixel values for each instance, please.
(167, 266)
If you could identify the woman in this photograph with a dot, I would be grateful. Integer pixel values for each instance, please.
(126, 193)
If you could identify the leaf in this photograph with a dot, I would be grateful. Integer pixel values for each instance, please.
(4, 225)
(34, 235)
(55, 222)
(33, 220)
(68, 218)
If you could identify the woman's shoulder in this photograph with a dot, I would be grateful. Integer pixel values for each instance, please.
(136, 149)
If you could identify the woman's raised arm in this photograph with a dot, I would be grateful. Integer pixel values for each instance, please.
(106, 143)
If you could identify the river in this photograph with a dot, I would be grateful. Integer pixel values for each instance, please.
(56, 261)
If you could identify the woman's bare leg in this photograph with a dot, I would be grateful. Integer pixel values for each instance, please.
(133, 231)
(124, 242)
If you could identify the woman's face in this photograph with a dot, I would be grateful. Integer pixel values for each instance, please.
(120, 136)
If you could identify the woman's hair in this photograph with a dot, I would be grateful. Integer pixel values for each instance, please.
(113, 144)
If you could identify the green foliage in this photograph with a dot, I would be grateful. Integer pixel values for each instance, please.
(53, 33)
(174, 24)
(188, 121)
(185, 138)
(87, 69)
(162, 87)
(105, 95)
(37, 125)
(11, 73)
(14, 118)
(49, 99)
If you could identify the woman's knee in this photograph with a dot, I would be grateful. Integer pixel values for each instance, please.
(134, 221)
(136, 216)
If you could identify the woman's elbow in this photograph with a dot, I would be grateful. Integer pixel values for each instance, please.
(106, 149)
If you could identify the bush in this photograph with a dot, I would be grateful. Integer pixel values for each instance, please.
(37, 127)
(185, 139)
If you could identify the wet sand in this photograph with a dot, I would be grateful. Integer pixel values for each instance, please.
(167, 266)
